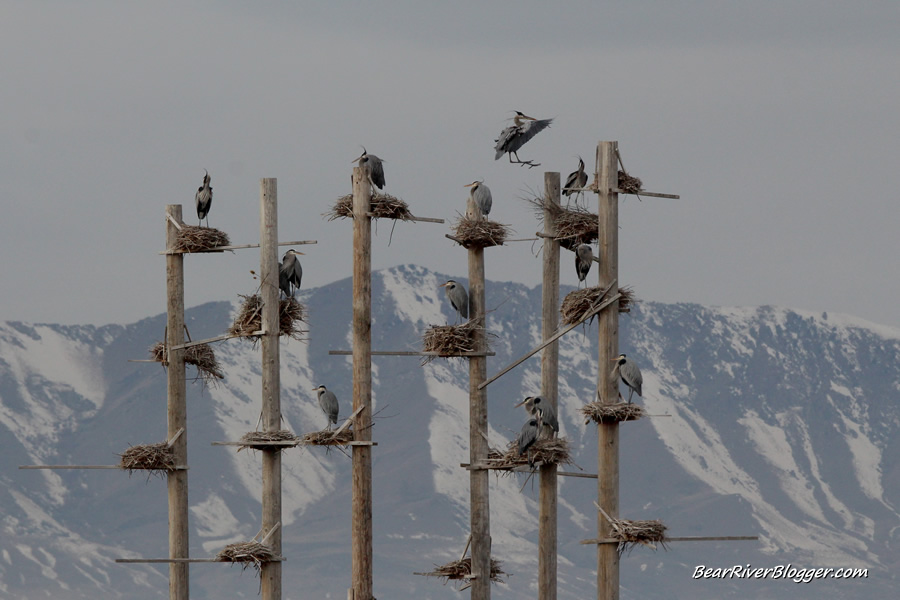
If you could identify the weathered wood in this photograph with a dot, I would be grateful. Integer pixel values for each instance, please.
(410, 353)
(77, 467)
(645, 193)
(480, 518)
(176, 412)
(186, 560)
(270, 573)
(547, 517)
(218, 338)
(361, 528)
(689, 538)
(413, 218)
(608, 327)
(239, 247)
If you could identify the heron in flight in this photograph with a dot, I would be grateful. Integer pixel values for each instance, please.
(203, 199)
(373, 167)
(575, 182)
(537, 404)
(328, 402)
(290, 272)
(514, 137)
(584, 257)
(481, 196)
(459, 299)
(528, 436)
(630, 374)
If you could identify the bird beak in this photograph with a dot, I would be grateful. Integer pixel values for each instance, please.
(521, 403)
(295, 252)
(444, 284)
(470, 184)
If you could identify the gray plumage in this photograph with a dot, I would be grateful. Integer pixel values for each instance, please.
(537, 404)
(290, 272)
(203, 198)
(373, 167)
(576, 180)
(527, 437)
(514, 137)
(459, 299)
(584, 258)
(328, 402)
(630, 374)
(481, 195)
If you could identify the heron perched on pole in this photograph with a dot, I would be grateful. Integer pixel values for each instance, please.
(514, 137)
(584, 257)
(459, 299)
(481, 196)
(290, 272)
(373, 167)
(203, 199)
(328, 402)
(535, 405)
(528, 436)
(630, 374)
(575, 182)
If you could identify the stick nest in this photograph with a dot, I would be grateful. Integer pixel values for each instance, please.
(159, 458)
(480, 233)
(632, 533)
(201, 356)
(576, 303)
(382, 206)
(248, 553)
(199, 239)
(629, 184)
(611, 413)
(574, 225)
(257, 439)
(546, 451)
(249, 318)
(459, 569)
(327, 438)
(450, 340)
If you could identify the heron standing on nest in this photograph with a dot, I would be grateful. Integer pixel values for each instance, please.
(528, 436)
(584, 258)
(459, 299)
(575, 183)
(514, 137)
(329, 405)
(537, 404)
(481, 196)
(203, 199)
(373, 167)
(290, 272)
(630, 374)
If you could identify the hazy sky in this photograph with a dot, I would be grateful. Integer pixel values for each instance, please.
(778, 123)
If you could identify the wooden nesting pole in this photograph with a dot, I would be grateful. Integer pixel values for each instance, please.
(549, 390)
(478, 428)
(607, 388)
(270, 583)
(176, 412)
(362, 387)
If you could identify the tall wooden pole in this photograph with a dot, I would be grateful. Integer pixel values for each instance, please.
(270, 584)
(362, 387)
(176, 412)
(549, 391)
(608, 433)
(478, 427)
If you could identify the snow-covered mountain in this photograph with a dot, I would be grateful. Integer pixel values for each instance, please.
(778, 423)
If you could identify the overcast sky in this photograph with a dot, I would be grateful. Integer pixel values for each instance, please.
(778, 123)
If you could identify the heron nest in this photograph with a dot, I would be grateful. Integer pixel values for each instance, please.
(249, 318)
(191, 238)
(480, 233)
(579, 302)
(460, 569)
(632, 533)
(382, 206)
(247, 553)
(574, 225)
(545, 451)
(629, 184)
(201, 356)
(261, 440)
(451, 340)
(156, 458)
(327, 438)
(611, 413)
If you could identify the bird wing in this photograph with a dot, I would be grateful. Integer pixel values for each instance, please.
(463, 300)
(296, 273)
(505, 136)
(571, 180)
(549, 417)
(528, 130)
(483, 199)
(377, 171)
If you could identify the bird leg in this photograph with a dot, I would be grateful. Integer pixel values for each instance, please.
(630, 394)
(530, 163)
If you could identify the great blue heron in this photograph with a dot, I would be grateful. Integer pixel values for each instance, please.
(329, 404)
(373, 167)
(514, 137)
(537, 404)
(584, 257)
(630, 374)
(481, 196)
(290, 272)
(459, 299)
(528, 436)
(203, 199)
(575, 182)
